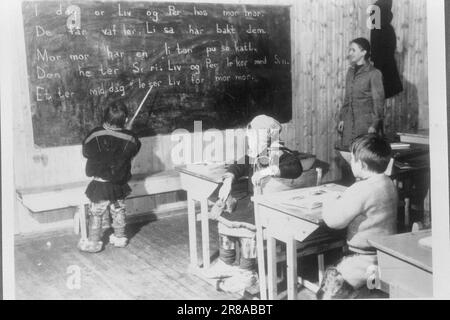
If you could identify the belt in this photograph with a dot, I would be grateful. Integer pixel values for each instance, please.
(99, 179)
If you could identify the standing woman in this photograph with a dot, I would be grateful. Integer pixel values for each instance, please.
(363, 108)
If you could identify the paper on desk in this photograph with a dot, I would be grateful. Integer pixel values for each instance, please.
(426, 242)
(311, 199)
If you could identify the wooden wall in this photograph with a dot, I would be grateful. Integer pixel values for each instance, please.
(324, 29)
(320, 32)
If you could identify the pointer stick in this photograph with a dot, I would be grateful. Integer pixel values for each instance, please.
(139, 108)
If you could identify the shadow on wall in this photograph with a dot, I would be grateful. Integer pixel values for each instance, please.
(402, 110)
(402, 103)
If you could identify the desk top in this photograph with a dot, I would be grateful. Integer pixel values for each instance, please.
(210, 172)
(277, 201)
(406, 247)
(414, 150)
(414, 159)
(422, 136)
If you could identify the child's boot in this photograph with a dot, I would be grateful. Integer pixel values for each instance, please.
(118, 238)
(119, 242)
(238, 283)
(87, 245)
(106, 221)
(246, 277)
(93, 243)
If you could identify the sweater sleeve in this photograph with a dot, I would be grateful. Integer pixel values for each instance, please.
(337, 214)
(132, 146)
(376, 85)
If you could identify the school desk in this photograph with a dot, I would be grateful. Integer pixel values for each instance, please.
(405, 264)
(411, 176)
(418, 137)
(277, 220)
(200, 181)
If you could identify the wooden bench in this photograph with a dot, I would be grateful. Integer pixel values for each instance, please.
(72, 194)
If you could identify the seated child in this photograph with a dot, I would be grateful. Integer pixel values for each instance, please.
(367, 209)
(109, 150)
(267, 161)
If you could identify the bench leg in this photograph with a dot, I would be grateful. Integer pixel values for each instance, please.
(83, 225)
(291, 257)
(192, 232)
(76, 221)
(205, 233)
(272, 267)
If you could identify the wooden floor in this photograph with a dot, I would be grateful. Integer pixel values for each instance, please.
(153, 266)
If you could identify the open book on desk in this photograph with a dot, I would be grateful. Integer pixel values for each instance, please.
(310, 199)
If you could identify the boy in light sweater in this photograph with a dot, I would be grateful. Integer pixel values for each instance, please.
(367, 209)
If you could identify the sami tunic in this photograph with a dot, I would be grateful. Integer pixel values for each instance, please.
(109, 153)
(290, 169)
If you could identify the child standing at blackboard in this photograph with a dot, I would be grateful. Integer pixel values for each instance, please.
(109, 150)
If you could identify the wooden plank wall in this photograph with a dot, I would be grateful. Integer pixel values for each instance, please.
(323, 30)
(320, 33)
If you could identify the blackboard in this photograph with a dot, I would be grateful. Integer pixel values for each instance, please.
(220, 64)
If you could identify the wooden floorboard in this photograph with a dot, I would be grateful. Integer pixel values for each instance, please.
(153, 266)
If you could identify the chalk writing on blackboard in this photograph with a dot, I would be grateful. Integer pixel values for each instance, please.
(215, 63)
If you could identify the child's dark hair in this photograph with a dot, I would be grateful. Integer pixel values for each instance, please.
(116, 114)
(373, 151)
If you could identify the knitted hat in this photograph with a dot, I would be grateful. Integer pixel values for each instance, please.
(265, 122)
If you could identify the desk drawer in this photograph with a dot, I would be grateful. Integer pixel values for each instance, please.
(281, 225)
(405, 280)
